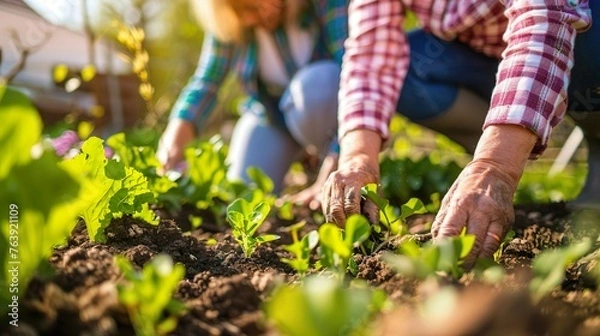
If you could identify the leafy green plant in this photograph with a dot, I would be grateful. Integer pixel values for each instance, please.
(205, 183)
(301, 248)
(549, 267)
(336, 244)
(143, 159)
(322, 306)
(403, 179)
(445, 256)
(39, 209)
(109, 189)
(245, 218)
(148, 295)
(391, 227)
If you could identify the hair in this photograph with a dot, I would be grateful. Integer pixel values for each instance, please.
(218, 18)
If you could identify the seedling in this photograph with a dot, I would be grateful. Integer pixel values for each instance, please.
(337, 244)
(391, 227)
(40, 199)
(549, 267)
(444, 257)
(109, 189)
(321, 306)
(301, 248)
(148, 295)
(245, 218)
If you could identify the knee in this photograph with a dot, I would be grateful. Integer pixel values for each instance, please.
(310, 103)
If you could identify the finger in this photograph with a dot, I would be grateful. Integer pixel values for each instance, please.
(351, 201)
(477, 225)
(444, 206)
(371, 211)
(492, 240)
(453, 221)
(337, 214)
(314, 205)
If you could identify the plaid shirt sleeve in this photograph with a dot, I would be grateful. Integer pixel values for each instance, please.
(532, 80)
(374, 64)
(197, 100)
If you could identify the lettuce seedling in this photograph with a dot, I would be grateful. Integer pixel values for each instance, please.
(549, 267)
(40, 198)
(148, 295)
(109, 189)
(245, 218)
(301, 248)
(337, 244)
(322, 306)
(445, 256)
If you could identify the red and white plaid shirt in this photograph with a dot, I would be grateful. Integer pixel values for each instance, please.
(534, 38)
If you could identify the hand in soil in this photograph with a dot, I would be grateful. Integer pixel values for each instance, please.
(342, 197)
(480, 200)
(172, 143)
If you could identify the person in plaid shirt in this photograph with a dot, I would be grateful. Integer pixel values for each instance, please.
(514, 67)
(287, 56)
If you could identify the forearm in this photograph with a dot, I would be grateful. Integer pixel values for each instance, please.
(506, 148)
(359, 149)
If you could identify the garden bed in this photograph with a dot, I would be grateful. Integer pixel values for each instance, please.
(224, 291)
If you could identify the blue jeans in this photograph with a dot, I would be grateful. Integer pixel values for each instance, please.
(303, 117)
(439, 68)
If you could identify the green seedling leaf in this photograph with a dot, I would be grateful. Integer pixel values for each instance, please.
(109, 189)
(21, 129)
(301, 249)
(323, 307)
(549, 267)
(245, 218)
(412, 207)
(148, 295)
(261, 179)
(40, 208)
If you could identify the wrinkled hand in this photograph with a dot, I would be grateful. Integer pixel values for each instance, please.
(480, 200)
(172, 143)
(341, 194)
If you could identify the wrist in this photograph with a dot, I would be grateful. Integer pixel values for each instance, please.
(505, 148)
(360, 149)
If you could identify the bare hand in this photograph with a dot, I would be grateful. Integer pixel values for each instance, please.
(480, 200)
(358, 166)
(342, 198)
(172, 143)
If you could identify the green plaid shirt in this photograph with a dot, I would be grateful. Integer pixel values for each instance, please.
(197, 100)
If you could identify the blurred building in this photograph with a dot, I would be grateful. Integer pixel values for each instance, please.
(31, 46)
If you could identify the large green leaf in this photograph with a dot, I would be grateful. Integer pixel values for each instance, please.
(21, 129)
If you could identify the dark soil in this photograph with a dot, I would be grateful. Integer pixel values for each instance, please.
(223, 290)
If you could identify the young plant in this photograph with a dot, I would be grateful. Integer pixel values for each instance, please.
(445, 256)
(148, 295)
(109, 189)
(245, 218)
(301, 248)
(397, 226)
(322, 306)
(142, 157)
(549, 267)
(337, 244)
(40, 199)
